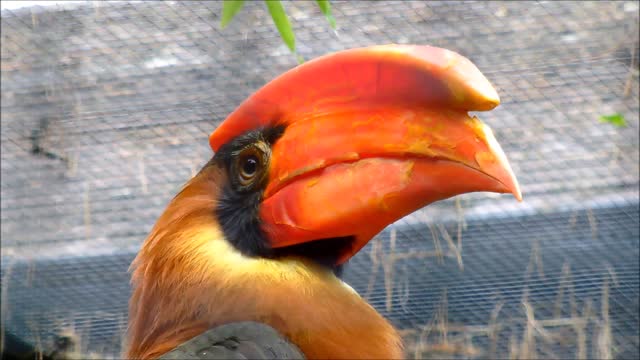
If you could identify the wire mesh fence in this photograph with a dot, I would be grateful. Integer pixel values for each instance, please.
(106, 110)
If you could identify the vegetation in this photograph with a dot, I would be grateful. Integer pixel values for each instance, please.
(231, 7)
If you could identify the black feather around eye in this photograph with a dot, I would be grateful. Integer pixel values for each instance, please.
(239, 202)
(240, 221)
(238, 209)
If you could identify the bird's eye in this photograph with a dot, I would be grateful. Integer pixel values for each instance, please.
(249, 166)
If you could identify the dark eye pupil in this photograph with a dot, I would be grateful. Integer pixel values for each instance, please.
(250, 165)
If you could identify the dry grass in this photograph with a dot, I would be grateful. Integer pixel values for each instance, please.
(580, 329)
(389, 259)
(509, 338)
(142, 174)
(69, 343)
(86, 214)
(633, 67)
(523, 336)
(516, 336)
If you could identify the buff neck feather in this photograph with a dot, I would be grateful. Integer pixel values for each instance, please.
(187, 278)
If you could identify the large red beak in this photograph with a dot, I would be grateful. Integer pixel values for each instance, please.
(372, 134)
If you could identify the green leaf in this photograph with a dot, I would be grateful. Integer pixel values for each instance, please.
(325, 7)
(282, 23)
(229, 9)
(616, 119)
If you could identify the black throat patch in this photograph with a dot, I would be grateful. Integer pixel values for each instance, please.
(239, 204)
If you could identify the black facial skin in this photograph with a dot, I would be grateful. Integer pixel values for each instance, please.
(246, 160)
(239, 203)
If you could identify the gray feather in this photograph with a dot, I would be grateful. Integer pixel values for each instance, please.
(241, 340)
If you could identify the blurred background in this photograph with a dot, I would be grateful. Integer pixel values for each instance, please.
(106, 111)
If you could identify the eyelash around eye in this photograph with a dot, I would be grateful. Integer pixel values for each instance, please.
(246, 178)
(248, 167)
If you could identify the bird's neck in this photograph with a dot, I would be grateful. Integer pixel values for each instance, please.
(187, 278)
(306, 303)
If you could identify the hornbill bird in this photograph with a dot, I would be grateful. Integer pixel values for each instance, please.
(305, 172)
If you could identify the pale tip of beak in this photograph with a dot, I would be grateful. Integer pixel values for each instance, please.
(500, 167)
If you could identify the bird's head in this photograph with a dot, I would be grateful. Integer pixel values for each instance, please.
(305, 172)
(325, 156)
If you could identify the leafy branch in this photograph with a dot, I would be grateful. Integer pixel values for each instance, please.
(616, 119)
(231, 7)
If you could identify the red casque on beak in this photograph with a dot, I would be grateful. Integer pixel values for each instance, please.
(372, 134)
